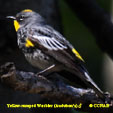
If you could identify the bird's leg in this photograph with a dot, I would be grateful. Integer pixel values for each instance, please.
(49, 70)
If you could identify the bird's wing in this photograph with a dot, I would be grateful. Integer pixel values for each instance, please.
(55, 44)
(50, 43)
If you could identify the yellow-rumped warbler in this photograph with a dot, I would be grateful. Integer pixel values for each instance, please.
(48, 50)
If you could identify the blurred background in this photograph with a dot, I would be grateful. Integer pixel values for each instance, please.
(59, 15)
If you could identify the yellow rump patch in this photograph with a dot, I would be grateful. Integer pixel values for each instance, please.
(16, 25)
(27, 10)
(29, 43)
(77, 54)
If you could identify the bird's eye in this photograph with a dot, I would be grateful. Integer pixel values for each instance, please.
(21, 18)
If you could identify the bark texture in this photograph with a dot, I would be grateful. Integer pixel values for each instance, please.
(53, 88)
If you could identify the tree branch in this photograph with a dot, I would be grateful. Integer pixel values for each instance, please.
(50, 88)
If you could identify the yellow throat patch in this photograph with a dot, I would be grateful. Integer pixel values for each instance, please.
(29, 43)
(77, 54)
(16, 25)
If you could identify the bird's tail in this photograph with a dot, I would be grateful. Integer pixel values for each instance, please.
(85, 77)
(92, 85)
(82, 78)
(88, 81)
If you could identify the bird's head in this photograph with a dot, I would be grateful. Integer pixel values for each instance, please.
(25, 17)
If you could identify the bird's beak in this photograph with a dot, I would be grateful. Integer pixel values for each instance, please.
(11, 17)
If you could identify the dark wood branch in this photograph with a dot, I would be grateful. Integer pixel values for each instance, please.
(50, 88)
(97, 20)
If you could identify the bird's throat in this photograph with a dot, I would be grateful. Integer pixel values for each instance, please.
(16, 25)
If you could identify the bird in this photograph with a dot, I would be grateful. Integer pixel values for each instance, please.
(48, 50)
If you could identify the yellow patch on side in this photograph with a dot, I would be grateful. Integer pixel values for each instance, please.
(77, 54)
(16, 25)
(27, 10)
(29, 43)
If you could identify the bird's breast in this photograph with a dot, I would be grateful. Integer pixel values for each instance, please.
(34, 56)
(39, 59)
